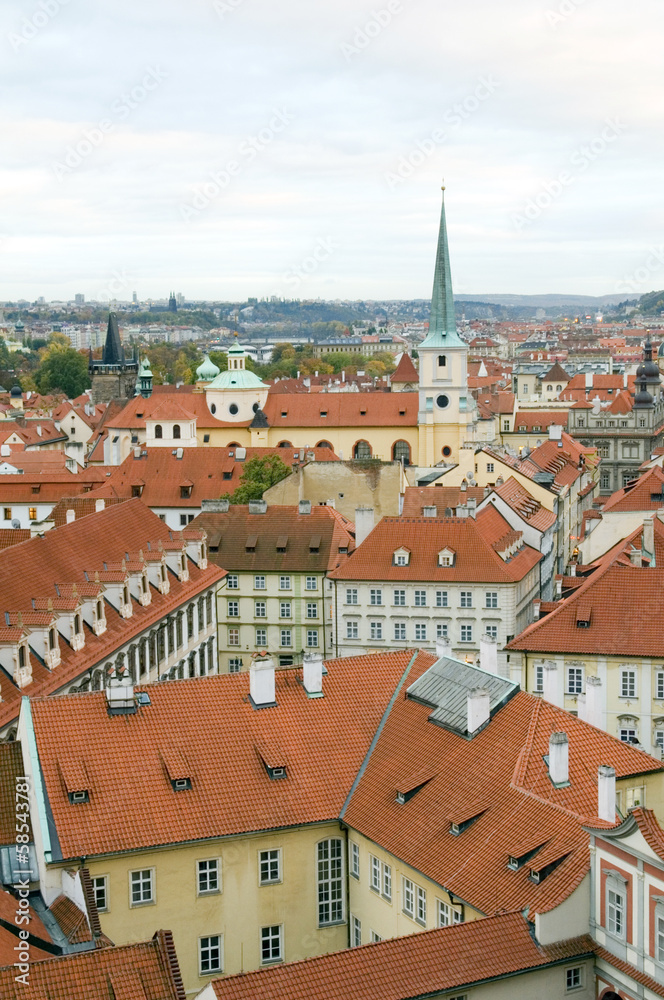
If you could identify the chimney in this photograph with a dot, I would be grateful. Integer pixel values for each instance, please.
(429, 511)
(258, 506)
(99, 505)
(364, 523)
(471, 506)
(312, 674)
(443, 648)
(489, 654)
(550, 691)
(464, 486)
(262, 681)
(120, 696)
(71, 516)
(591, 707)
(537, 603)
(555, 432)
(487, 491)
(636, 557)
(478, 709)
(589, 381)
(137, 451)
(559, 759)
(606, 793)
(215, 506)
(304, 507)
(648, 541)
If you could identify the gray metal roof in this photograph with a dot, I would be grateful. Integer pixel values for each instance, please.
(445, 687)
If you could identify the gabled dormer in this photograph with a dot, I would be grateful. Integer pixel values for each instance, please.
(42, 630)
(401, 557)
(15, 654)
(446, 558)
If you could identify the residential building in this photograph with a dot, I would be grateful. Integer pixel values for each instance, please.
(116, 590)
(419, 580)
(620, 514)
(29, 498)
(599, 651)
(343, 485)
(276, 596)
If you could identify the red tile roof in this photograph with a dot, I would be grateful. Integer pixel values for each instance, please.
(9, 931)
(11, 767)
(405, 370)
(539, 420)
(13, 536)
(502, 769)
(407, 967)
(49, 487)
(194, 406)
(525, 505)
(324, 741)
(629, 970)
(146, 971)
(344, 409)
(439, 496)
(638, 495)
(471, 539)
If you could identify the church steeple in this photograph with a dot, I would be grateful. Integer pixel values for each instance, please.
(113, 353)
(442, 322)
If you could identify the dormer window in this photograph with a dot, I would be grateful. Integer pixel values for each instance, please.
(282, 543)
(51, 639)
(538, 875)
(401, 557)
(21, 656)
(276, 772)
(185, 492)
(144, 584)
(125, 595)
(583, 616)
(78, 798)
(446, 557)
(181, 784)
(77, 624)
(136, 490)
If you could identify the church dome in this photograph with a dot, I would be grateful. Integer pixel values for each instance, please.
(238, 379)
(16, 392)
(207, 371)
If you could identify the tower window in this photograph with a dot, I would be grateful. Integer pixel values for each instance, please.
(442, 401)
(176, 431)
(233, 409)
(442, 361)
(158, 431)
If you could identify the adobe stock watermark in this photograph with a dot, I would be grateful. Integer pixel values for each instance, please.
(653, 263)
(562, 12)
(322, 251)
(454, 117)
(248, 150)
(580, 160)
(224, 7)
(121, 109)
(31, 26)
(117, 283)
(364, 34)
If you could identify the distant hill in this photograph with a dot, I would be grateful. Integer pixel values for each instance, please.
(651, 303)
(545, 301)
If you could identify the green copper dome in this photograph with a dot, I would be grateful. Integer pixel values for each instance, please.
(207, 371)
(145, 369)
(238, 379)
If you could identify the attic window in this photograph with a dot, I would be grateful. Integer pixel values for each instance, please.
(181, 784)
(227, 475)
(446, 557)
(250, 544)
(583, 616)
(284, 413)
(402, 413)
(323, 413)
(343, 549)
(276, 773)
(314, 544)
(137, 490)
(411, 788)
(282, 543)
(185, 492)
(363, 413)
(36, 489)
(401, 557)
(517, 861)
(538, 875)
(177, 769)
(78, 798)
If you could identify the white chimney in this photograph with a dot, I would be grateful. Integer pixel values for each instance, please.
(478, 709)
(364, 523)
(312, 674)
(591, 707)
(589, 380)
(443, 648)
(137, 451)
(99, 505)
(559, 758)
(489, 654)
(262, 681)
(304, 507)
(550, 687)
(39, 430)
(648, 541)
(606, 793)
(429, 511)
(555, 432)
(71, 516)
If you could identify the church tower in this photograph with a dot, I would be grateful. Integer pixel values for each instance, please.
(446, 408)
(113, 377)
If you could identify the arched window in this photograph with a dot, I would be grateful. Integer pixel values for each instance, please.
(233, 444)
(158, 431)
(401, 452)
(97, 680)
(559, 388)
(442, 361)
(362, 449)
(176, 431)
(284, 444)
(325, 444)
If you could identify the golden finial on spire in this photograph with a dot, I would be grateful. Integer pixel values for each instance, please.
(442, 188)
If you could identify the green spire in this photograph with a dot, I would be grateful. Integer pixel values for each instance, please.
(442, 322)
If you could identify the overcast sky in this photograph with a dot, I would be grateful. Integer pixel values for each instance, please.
(230, 148)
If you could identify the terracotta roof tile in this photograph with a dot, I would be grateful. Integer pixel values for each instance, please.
(644, 493)
(72, 921)
(344, 409)
(439, 496)
(405, 370)
(11, 767)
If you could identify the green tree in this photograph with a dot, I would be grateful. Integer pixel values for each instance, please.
(259, 474)
(63, 370)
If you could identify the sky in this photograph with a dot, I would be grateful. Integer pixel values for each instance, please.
(235, 148)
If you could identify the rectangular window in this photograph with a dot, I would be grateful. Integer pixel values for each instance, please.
(635, 797)
(573, 980)
(233, 609)
(539, 677)
(457, 917)
(209, 955)
(574, 680)
(659, 739)
(375, 596)
(442, 914)
(659, 685)
(420, 598)
(351, 595)
(330, 882)
(235, 664)
(260, 609)
(356, 932)
(628, 734)
(312, 609)
(615, 920)
(352, 630)
(354, 859)
(32, 513)
(408, 898)
(259, 583)
(271, 944)
(8, 513)
(628, 683)
(466, 633)
(285, 635)
(142, 886)
(605, 481)
(375, 937)
(659, 943)
(208, 876)
(492, 631)
(466, 599)
(421, 905)
(233, 581)
(284, 609)
(442, 630)
(442, 599)
(491, 599)
(399, 630)
(400, 598)
(387, 882)
(233, 637)
(311, 583)
(312, 637)
(100, 889)
(261, 637)
(374, 873)
(376, 630)
(420, 632)
(269, 867)
(284, 583)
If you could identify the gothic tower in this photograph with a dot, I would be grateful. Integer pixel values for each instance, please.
(446, 409)
(113, 377)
